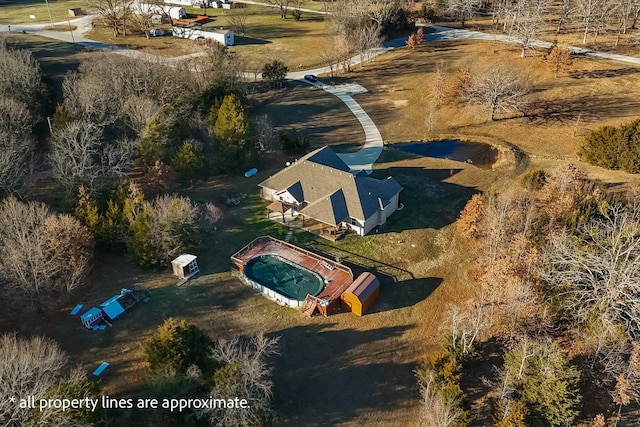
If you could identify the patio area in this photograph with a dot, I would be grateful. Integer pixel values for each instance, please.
(300, 222)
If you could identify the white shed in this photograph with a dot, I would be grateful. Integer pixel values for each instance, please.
(224, 37)
(185, 266)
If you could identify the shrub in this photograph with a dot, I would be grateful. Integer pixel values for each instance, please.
(161, 229)
(178, 345)
(293, 142)
(614, 147)
(534, 179)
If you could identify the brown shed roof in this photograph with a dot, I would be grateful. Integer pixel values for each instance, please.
(365, 285)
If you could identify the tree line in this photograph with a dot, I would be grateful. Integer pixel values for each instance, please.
(557, 295)
(525, 20)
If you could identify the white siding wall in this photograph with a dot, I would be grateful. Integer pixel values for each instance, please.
(359, 227)
(225, 39)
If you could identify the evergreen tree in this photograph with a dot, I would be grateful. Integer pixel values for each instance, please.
(162, 136)
(544, 381)
(231, 130)
(275, 72)
(178, 345)
(189, 162)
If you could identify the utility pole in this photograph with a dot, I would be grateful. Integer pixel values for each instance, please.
(73, 39)
(50, 17)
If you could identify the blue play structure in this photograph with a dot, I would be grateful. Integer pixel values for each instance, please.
(96, 317)
(101, 369)
(250, 172)
(76, 309)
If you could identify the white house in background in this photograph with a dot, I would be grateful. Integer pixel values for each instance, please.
(222, 36)
(173, 12)
(193, 3)
(321, 189)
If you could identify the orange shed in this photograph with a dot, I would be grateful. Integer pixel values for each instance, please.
(362, 293)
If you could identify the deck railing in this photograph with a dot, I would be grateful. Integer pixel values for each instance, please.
(237, 257)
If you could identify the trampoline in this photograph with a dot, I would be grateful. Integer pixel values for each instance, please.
(284, 277)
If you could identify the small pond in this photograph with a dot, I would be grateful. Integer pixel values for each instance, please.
(475, 153)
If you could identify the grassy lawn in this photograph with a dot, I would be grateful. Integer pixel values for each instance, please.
(593, 93)
(320, 116)
(323, 362)
(297, 43)
(18, 11)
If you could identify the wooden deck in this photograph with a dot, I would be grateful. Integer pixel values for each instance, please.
(338, 275)
(309, 224)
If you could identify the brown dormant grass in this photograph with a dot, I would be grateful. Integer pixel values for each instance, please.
(593, 93)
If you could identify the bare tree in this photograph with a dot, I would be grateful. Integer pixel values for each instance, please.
(435, 409)
(330, 58)
(111, 13)
(170, 224)
(17, 145)
(219, 67)
(462, 9)
(210, 215)
(138, 110)
(245, 374)
(499, 88)
(34, 368)
(282, 5)
(237, 20)
(590, 13)
(15, 163)
(468, 324)
(75, 149)
(530, 18)
(599, 280)
(265, 133)
(21, 76)
(567, 8)
(80, 157)
(104, 84)
(41, 253)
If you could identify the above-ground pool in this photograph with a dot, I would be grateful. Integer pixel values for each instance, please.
(284, 277)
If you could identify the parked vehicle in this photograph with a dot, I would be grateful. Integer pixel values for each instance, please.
(310, 78)
(156, 32)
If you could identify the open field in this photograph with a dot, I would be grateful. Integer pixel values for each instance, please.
(593, 93)
(267, 37)
(18, 11)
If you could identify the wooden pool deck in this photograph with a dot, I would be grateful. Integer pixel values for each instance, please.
(339, 277)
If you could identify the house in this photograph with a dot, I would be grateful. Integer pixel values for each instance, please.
(224, 37)
(321, 190)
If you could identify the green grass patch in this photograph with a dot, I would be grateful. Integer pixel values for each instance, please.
(19, 11)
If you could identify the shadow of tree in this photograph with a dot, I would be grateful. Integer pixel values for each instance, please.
(589, 109)
(320, 376)
(428, 201)
(603, 74)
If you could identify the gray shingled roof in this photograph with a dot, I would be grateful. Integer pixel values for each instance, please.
(331, 210)
(321, 174)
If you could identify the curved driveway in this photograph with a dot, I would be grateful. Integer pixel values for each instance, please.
(362, 159)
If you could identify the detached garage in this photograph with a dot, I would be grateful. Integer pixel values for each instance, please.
(362, 293)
